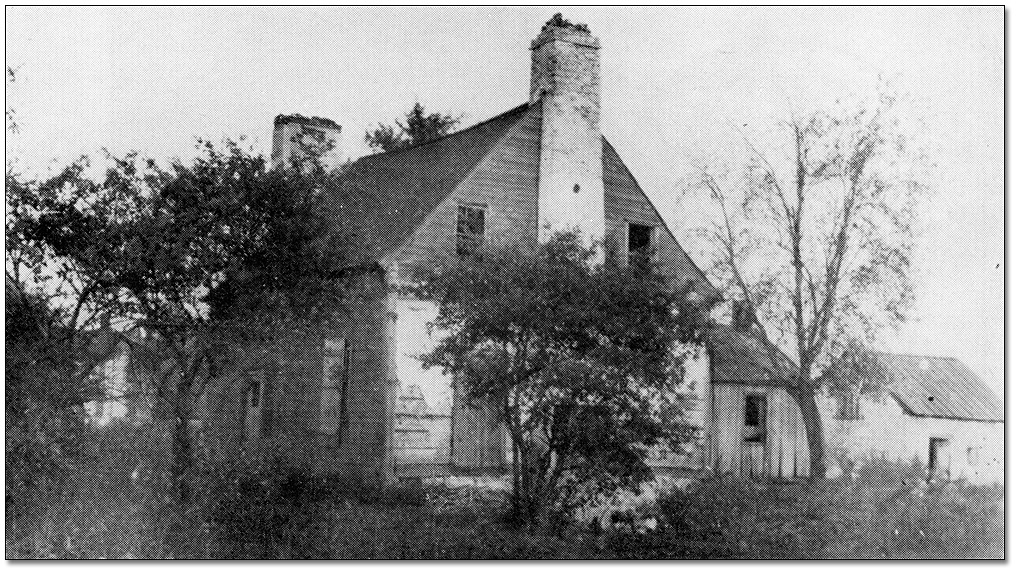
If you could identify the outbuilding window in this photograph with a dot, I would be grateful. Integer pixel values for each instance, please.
(754, 418)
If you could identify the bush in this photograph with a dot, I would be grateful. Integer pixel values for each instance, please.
(880, 510)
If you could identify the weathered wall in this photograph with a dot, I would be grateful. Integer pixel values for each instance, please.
(504, 183)
(885, 431)
(565, 76)
(696, 387)
(422, 439)
(291, 407)
(785, 447)
(975, 449)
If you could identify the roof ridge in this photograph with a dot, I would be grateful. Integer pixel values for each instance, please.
(500, 116)
(918, 355)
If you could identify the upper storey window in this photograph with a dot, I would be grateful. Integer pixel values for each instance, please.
(640, 243)
(470, 229)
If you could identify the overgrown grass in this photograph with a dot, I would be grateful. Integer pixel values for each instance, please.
(261, 509)
(883, 510)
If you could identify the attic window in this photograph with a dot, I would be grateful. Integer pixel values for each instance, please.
(640, 243)
(470, 229)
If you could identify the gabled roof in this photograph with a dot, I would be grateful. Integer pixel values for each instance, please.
(927, 386)
(739, 357)
(400, 189)
(394, 192)
(620, 183)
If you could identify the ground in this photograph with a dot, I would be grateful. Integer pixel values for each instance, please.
(109, 507)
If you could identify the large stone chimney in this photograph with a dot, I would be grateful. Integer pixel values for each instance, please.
(294, 134)
(565, 78)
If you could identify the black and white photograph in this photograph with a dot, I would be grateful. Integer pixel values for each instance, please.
(519, 283)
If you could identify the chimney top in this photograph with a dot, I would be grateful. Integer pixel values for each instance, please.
(299, 119)
(559, 28)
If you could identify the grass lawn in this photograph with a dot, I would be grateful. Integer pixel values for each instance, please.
(885, 511)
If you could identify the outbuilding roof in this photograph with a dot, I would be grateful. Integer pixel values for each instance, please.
(927, 386)
(739, 357)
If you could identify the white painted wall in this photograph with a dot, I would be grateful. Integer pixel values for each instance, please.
(412, 338)
(886, 431)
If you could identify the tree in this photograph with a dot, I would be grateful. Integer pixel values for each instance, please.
(817, 238)
(583, 362)
(417, 128)
(202, 254)
(55, 337)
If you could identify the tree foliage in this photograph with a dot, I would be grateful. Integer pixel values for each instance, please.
(416, 128)
(815, 231)
(582, 361)
(214, 251)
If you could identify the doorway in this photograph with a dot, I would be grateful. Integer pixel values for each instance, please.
(752, 448)
(938, 457)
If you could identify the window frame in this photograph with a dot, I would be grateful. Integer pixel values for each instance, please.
(477, 241)
(760, 425)
(653, 242)
(333, 394)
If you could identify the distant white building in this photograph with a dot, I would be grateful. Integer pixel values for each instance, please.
(932, 410)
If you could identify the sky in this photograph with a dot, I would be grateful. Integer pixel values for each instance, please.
(675, 82)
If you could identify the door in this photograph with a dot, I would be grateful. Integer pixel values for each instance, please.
(938, 457)
(752, 448)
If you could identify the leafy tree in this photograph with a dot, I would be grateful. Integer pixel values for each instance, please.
(201, 254)
(417, 128)
(54, 339)
(582, 361)
(817, 236)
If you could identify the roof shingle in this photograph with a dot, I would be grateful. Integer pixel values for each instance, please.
(738, 357)
(939, 387)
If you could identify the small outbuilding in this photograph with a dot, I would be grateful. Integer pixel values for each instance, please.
(756, 426)
(920, 409)
(923, 410)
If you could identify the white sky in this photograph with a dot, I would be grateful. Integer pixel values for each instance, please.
(673, 82)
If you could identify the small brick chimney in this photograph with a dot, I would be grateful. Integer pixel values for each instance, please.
(565, 78)
(294, 132)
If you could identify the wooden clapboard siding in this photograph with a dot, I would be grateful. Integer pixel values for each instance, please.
(505, 183)
(728, 424)
(785, 445)
(627, 203)
(478, 437)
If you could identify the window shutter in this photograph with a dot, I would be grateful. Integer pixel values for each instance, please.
(335, 377)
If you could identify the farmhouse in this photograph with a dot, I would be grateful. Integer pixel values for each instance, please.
(356, 401)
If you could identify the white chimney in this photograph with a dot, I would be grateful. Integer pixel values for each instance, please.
(565, 77)
(293, 133)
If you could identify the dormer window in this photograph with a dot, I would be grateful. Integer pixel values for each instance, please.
(640, 243)
(470, 229)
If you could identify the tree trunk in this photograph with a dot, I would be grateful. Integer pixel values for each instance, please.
(181, 454)
(808, 404)
(515, 501)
